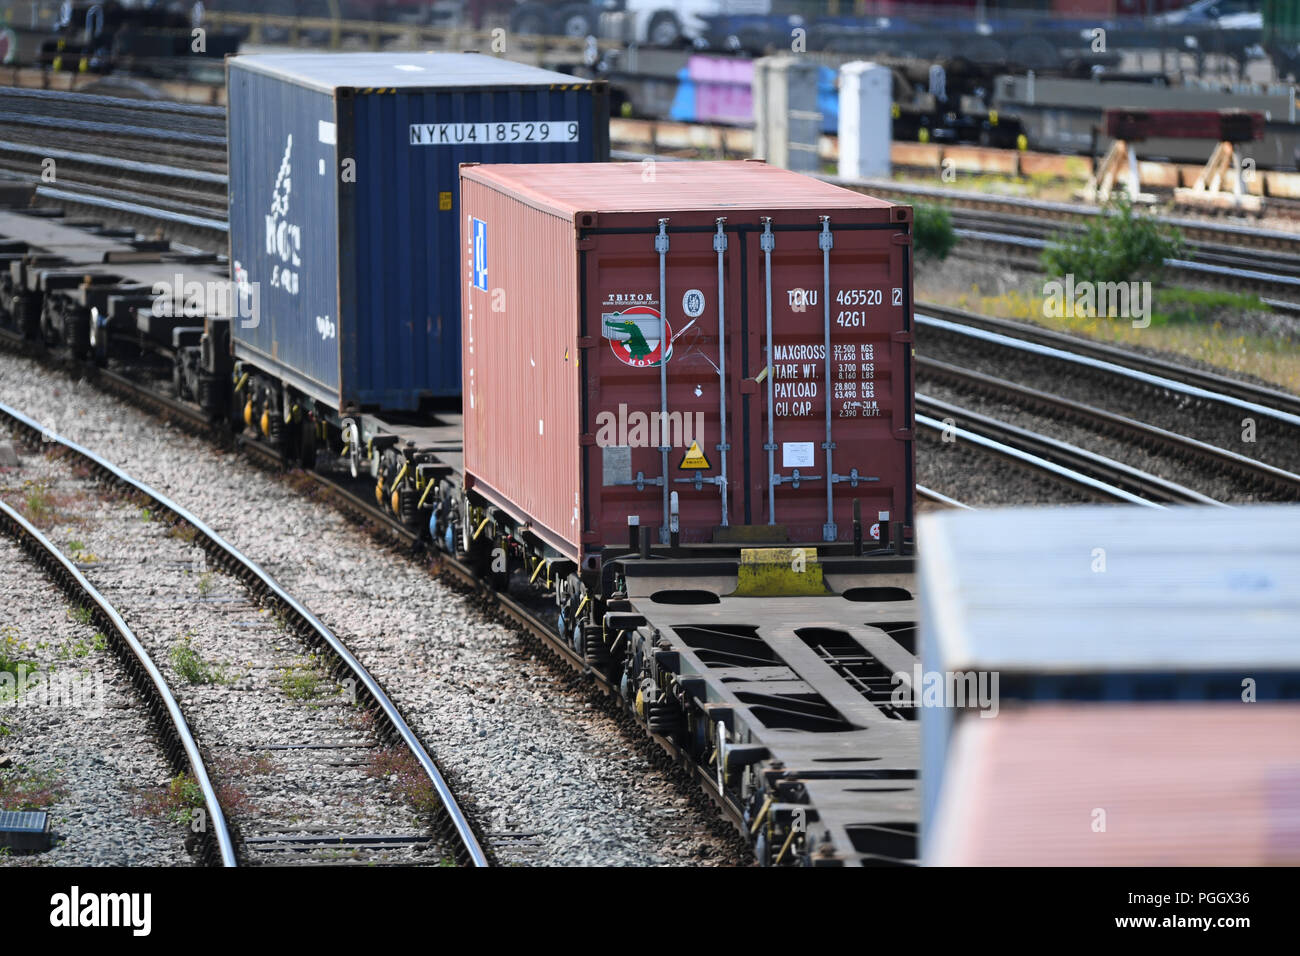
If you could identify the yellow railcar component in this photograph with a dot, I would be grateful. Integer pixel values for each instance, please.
(248, 412)
(428, 487)
(538, 570)
(779, 572)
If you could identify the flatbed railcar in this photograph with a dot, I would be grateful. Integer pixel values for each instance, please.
(94, 293)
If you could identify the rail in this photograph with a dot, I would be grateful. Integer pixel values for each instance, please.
(147, 677)
(469, 850)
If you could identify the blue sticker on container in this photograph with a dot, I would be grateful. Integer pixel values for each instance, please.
(480, 253)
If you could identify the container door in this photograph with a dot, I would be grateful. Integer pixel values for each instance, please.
(663, 383)
(830, 395)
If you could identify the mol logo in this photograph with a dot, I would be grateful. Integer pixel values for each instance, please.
(634, 336)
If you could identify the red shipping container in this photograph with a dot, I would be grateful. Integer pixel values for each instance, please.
(570, 389)
(1181, 783)
(1237, 126)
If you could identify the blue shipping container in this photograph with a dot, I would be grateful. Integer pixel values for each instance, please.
(344, 206)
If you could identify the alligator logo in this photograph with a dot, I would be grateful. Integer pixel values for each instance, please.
(634, 336)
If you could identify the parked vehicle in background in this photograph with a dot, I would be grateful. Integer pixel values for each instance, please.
(660, 23)
(1227, 14)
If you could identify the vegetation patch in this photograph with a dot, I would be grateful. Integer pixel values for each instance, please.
(403, 774)
(932, 231)
(183, 531)
(1118, 246)
(190, 665)
(40, 505)
(303, 681)
(181, 801)
(30, 790)
(205, 583)
(15, 663)
(244, 765)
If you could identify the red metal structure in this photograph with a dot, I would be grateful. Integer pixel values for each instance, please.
(1224, 126)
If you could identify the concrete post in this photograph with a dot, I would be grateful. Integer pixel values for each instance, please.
(866, 122)
(787, 123)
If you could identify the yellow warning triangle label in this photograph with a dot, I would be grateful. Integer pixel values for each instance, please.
(694, 458)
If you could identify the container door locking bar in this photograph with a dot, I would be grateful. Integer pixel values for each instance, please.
(766, 242)
(661, 247)
(720, 247)
(826, 242)
(723, 446)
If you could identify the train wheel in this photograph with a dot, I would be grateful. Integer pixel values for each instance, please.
(76, 327)
(27, 315)
(307, 444)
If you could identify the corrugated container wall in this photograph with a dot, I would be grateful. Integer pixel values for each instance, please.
(344, 206)
(1173, 784)
(1106, 604)
(573, 356)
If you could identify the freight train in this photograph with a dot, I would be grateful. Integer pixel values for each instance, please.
(666, 406)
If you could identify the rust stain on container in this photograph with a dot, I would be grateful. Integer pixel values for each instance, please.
(562, 261)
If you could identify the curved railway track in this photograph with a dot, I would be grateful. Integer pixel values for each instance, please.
(216, 846)
(363, 511)
(451, 824)
(527, 619)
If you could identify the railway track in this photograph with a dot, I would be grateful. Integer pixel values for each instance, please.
(1254, 474)
(215, 844)
(452, 829)
(1082, 470)
(1214, 252)
(939, 498)
(528, 620)
(186, 177)
(1058, 215)
(1279, 289)
(359, 506)
(1008, 343)
(1133, 368)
